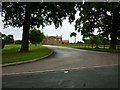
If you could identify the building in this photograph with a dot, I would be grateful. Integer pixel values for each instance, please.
(53, 39)
(65, 41)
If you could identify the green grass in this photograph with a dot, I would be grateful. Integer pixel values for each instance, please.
(11, 53)
(101, 48)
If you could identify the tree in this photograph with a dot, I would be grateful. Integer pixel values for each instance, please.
(36, 36)
(95, 39)
(104, 16)
(29, 15)
(73, 34)
(79, 42)
(104, 40)
(87, 41)
(8, 38)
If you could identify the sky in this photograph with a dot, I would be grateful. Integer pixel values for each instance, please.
(50, 30)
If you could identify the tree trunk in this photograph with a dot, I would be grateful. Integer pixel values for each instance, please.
(113, 39)
(35, 44)
(118, 44)
(92, 45)
(104, 46)
(113, 32)
(88, 45)
(96, 46)
(26, 27)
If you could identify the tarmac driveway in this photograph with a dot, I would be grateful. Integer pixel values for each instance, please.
(102, 77)
(66, 58)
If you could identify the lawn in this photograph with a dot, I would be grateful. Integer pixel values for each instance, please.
(101, 48)
(11, 53)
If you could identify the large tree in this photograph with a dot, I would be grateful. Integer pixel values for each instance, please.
(29, 15)
(104, 16)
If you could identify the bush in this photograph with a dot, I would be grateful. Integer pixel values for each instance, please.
(18, 42)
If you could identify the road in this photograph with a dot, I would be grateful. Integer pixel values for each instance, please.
(66, 58)
(71, 68)
(102, 77)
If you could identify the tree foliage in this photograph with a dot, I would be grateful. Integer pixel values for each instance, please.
(73, 34)
(8, 38)
(41, 14)
(36, 36)
(79, 42)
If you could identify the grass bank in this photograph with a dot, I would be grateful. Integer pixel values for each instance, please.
(101, 48)
(10, 53)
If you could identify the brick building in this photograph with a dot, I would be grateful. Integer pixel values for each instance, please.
(53, 39)
(65, 41)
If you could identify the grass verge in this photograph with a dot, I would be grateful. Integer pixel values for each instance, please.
(94, 49)
(10, 53)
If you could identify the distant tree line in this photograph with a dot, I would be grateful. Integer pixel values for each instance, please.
(96, 40)
(7, 39)
(35, 37)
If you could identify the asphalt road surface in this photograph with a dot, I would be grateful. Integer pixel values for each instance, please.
(66, 68)
(65, 58)
(102, 77)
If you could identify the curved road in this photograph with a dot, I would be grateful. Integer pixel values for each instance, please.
(66, 58)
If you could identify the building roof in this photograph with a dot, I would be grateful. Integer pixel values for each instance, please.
(51, 36)
(65, 41)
